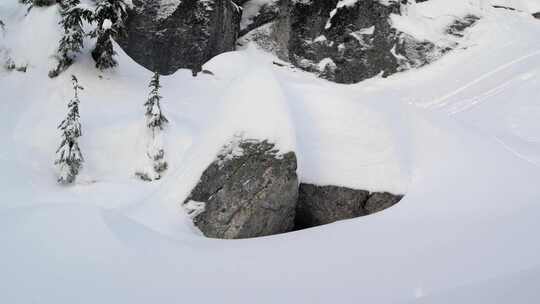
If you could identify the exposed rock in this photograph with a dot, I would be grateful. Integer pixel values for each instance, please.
(504, 7)
(165, 37)
(251, 190)
(319, 205)
(536, 15)
(346, 43)
(414, 54)
(460, 25)
(379, 201)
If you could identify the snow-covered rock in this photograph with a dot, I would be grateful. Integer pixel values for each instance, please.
(249, 191)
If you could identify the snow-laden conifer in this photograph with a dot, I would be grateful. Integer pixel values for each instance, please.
(69, 158)
(109, 16)
(155, 123)
(71, 43)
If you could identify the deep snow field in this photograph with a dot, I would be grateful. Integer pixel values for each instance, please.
(461, 137)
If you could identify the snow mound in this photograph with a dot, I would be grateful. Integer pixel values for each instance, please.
(459, 136)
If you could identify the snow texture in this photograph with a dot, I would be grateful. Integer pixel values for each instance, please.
(460, 137)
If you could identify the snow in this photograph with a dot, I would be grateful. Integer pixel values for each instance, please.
(107, 24)
(429, 20)
(460, 137)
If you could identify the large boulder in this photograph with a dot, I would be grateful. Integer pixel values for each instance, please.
(319, 205)
(165, 36)
(250, 190)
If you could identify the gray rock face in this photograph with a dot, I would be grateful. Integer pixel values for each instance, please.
(460, 25)
(355, 42)
(183, 34)
(249, 191)
(379, 201)
(319, 205)
(346, 44)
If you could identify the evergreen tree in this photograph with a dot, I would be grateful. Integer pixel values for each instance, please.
(71, 42)
(109, 16)
(69, 157)
(155, 122)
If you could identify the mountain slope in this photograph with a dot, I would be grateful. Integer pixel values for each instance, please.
(459, 136)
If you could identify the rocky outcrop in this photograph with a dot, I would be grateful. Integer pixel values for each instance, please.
(536, 15)
(349, 42)
(319, 205)
(345, 44)
(251, 190)
(166, 36)
(457, 28)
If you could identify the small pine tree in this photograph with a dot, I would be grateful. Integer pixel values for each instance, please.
(110, 16)
(155, 122)
(69, 157)
(71, 42)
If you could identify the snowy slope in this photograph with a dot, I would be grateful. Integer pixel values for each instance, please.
(460, 137)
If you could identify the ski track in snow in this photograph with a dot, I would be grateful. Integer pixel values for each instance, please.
(442, 101)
